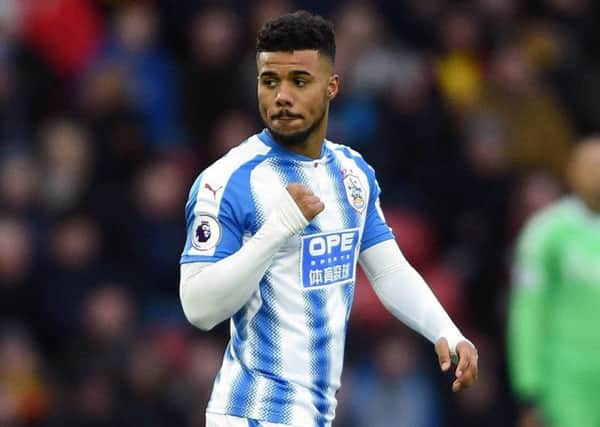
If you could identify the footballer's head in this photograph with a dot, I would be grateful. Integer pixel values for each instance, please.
(584, 171)
(295, 54)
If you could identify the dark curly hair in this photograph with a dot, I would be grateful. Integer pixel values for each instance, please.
(297, 31)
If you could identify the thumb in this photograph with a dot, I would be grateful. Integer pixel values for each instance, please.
(443, 352)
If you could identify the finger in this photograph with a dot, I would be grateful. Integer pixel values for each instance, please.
(311, 199)
(465, 381)
(443, 353)
(318, 208)
(313, 202)
(471, 376)
(314, 209)
(463, 364)
(472, 359)
(298, 190)
(474, 367)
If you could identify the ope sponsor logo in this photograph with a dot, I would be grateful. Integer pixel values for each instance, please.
(321, 245)
(329, 258)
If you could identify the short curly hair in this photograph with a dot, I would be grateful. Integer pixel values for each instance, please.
(300, 30)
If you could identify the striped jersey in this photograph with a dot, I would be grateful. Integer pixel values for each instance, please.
(284, 360)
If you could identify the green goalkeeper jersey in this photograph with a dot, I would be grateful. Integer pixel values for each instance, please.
(554, 316)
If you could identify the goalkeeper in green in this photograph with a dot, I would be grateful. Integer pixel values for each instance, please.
(554, 315)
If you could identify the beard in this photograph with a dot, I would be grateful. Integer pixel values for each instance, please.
(296, 138)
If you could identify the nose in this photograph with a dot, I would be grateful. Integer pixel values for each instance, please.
(284, 96)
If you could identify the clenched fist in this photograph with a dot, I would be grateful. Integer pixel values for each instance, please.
(310, 205)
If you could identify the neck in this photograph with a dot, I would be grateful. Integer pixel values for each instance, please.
(312, 145)
(593, 206)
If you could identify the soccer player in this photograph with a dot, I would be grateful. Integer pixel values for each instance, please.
(274, 232)
(554, 340)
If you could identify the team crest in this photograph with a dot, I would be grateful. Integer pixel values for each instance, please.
(355, 192)
(207, 232)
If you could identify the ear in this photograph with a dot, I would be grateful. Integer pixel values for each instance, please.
(333, 86)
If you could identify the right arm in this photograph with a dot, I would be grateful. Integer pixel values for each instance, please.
(213, 292)
(530, 285)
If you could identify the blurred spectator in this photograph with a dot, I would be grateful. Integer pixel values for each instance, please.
(67, 33)
(90, 400)
(155, 232)
(66, 168)
(533, 119)
(263, 10)
(25, 397)
(19, 292)
(72, 266)
(552, 354)
(231, 128)
(535, 192)
(498, 18)
(203, 360)
(149, 402)
(393, 388)
(360, 50)
(419, 146)
(458, 69)
(481, 228)
(19, 181)
(149, 73)
(108, 327)
(467, 110)
(212, 80)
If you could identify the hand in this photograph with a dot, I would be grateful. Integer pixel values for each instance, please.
(466, 371)
(530, 417)
(309, 204)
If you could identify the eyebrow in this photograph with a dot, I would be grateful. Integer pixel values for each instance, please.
(294, 73)
(300, 73)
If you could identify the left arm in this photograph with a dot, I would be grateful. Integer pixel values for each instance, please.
(405, 294)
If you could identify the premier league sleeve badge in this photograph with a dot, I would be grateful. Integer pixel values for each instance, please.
(207, 232)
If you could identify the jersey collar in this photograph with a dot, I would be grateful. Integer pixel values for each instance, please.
(265, 136)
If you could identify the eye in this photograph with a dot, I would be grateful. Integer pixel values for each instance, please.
(300, 82)
(269, 82)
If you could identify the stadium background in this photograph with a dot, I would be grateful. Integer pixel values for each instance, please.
(109, 109)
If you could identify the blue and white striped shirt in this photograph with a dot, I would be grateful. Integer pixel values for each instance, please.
(284, 360)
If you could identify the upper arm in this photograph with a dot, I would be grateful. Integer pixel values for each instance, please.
(532, 255)
(218, 214)
(376, 230)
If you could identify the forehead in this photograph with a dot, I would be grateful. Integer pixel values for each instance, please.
(588, 153)
(283, 62)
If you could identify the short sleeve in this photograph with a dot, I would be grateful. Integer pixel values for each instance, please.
(217, 217)
(376, 230)
(530, 267)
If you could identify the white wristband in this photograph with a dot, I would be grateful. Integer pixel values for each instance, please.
(289, 214)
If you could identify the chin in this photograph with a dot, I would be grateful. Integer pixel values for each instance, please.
(290, 137)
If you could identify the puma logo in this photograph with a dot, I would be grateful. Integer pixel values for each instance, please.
(209, 188)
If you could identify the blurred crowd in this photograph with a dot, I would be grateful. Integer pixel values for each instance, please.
(110, 108)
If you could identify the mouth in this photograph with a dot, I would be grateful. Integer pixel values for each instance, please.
(285, 117)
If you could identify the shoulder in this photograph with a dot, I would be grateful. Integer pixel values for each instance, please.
(340, 150)
(549, 223)
(242, 158)
(554, 215)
